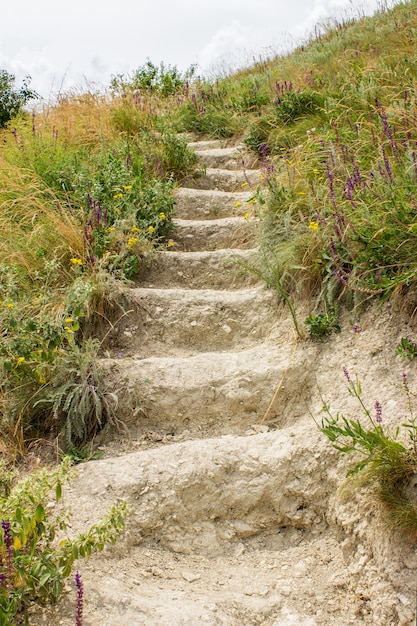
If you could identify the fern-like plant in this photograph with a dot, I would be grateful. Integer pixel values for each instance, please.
(81, 406)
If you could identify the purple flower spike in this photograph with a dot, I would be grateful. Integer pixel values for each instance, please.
(8, 542)
(347, 375)
(378, 412)
(80, 600)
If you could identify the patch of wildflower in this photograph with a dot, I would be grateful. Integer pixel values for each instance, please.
(386, 465)
(151, 229)
(162, 216)
(170, 243)
(313, 226)
(76, 261)
(237, 204)
(127, 187)
(132, 243)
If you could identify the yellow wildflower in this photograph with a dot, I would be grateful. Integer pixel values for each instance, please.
(313, 226)
(244, 184)
(289, 162)
(301, 193)
(127, 187)
(69, 320)
(151, 229)
(117, 195)
(20, 360)
(237, 204)
(251, 201)
(10, 305)
(135, 229)
(246, 216)
(170, 244)
(68, 329)
(316, 171)
(111, 229)
(17, 544)
(162, 216)
(76, 261)
(132, 242)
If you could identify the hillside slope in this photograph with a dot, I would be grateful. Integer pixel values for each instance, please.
(235, 515)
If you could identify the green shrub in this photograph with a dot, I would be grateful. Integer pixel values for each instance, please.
(321, 325)
(12, 100)
(210, 120)
(293, 105)
(163, 80)
(33, 567)
(80, 404)
(386, 465)
(406, 349)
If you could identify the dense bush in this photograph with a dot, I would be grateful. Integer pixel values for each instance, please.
(163, 80)
(13, 99)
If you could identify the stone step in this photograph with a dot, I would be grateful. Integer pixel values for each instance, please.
(219, 269)
(209, 144)
(184, 322)
(231, 531)
(225, 180)
(211, 204)
(227, 232)
(226, 158)
(213, 392)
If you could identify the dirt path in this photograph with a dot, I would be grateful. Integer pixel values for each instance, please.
(232, 490)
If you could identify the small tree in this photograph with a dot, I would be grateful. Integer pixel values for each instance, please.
(11, 99)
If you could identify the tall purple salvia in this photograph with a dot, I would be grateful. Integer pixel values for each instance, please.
(378, 412)
(80, 600)
(347, 375)
(8, 542)
(332, 192)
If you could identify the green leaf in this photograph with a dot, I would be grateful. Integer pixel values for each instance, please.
(58, 490)
(18, 516)
(39, 513)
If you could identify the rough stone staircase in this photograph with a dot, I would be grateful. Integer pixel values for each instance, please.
(200, 352)
(228, 482)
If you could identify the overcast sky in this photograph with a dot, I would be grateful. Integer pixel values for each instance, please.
(62, 45)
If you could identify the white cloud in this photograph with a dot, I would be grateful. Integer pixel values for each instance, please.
(91, 41)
